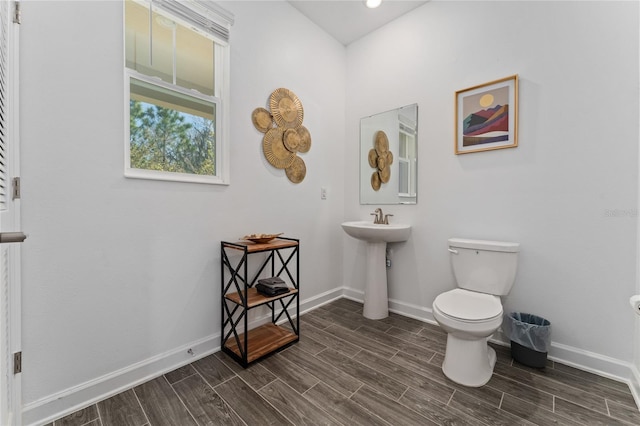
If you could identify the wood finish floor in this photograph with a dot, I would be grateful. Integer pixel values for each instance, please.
(347, 370)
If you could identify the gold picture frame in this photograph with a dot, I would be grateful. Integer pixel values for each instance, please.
(487, 116)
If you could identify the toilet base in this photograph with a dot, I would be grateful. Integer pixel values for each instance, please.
(468, 362)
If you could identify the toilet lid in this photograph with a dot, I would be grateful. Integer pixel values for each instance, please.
(469, 305)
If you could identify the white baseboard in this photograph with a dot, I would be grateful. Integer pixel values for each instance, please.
(70, 400)
(78, 397)
(601, 365)
(83, 395)
(635, 384)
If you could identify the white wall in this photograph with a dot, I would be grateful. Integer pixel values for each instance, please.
(118, 272)
(577, 159)
(121, 271)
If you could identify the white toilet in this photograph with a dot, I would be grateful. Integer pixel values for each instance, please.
(471, 313)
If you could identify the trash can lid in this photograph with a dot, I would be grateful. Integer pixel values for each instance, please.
(469, 305)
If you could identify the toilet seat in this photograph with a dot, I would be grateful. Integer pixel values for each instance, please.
(468, 306)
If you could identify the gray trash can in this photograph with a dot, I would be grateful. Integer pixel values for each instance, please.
(530, 338)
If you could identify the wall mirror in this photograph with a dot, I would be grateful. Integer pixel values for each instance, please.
(389, 157)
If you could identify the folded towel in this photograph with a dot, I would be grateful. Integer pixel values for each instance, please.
(271, 291)
(273, 281)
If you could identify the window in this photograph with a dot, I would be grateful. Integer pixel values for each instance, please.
(176, 74)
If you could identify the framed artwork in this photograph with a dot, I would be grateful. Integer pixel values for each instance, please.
(487, 116)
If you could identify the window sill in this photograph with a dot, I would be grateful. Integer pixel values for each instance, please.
(174, 177)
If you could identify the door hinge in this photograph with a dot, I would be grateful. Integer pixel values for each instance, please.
(17, 363)
(17, 18)
(15, 188)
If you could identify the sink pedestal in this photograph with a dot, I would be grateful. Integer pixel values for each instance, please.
(376, 236)
(376, 302)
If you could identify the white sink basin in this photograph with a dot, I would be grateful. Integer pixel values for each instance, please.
(372, 232)
(376, 237)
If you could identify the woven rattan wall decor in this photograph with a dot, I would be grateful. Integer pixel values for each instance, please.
(380, 158)
(284, 135)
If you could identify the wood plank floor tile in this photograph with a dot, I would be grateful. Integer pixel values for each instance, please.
(556, 388)
(623, 412)
(406, 376)
(255, 374)
(289, 372)
(345, 303)
(438, 344)
(405, 323)
(329, 374)
(583, 415)
(593, 378)
(524, 392)
(80, 417)
(161, 404)
(342, 408)
(622, 397)
(503, 353)
(315, 320)
(327, 316)
(347, 319)
(484, 412)
(384, 384)
(331, 341)
(213, 370)
(180, 373)
(343, 360)
(534, 413)
(435, 410)
(295, 407)
(388, 409)
(362, 341)
(248, 404)
(434, 372)
(206, 406)
(394, 342)
(122, 409)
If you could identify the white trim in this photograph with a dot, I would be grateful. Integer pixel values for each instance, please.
(592, 362)
(634, 384)
(77, 397)
(70, 400)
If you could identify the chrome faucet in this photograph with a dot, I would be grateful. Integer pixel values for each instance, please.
(378, 216)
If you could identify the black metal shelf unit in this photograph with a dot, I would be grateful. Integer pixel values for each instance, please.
(239, 296)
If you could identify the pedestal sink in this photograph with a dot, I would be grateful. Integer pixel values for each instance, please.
(376, 236)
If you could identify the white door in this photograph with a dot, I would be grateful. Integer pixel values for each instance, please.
(10, 337)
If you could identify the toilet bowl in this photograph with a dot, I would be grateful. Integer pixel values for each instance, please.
(471, 313)
(469, 319)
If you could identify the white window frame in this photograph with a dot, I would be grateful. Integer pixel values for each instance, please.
(220, 99)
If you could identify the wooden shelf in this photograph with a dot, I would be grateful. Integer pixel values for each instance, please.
(262, 341)
(255, 298)
(279, 255)
(255, 247)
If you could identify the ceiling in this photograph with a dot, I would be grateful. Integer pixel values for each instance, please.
(348, 20)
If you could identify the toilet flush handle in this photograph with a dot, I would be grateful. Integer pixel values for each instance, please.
(453, 251)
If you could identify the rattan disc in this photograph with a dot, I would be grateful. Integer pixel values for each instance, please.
(291, 140)
(274, 150)
(382, 142)
(382, 162)
(305, 139)
(286, 108)
(375, 181)
(385, 174)
(373, 158)
(297, 170)
(262, 119)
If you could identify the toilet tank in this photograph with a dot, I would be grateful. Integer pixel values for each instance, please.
(484, 266)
